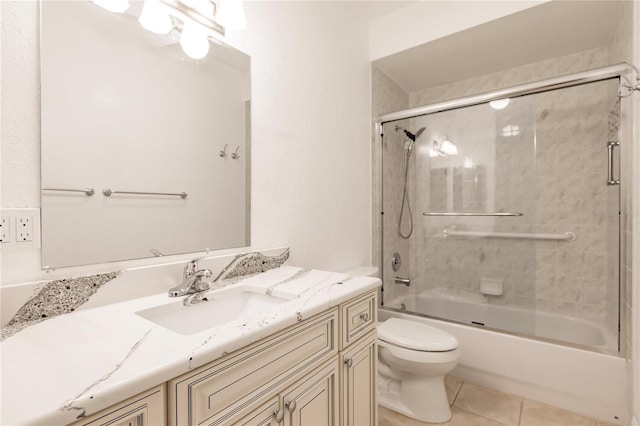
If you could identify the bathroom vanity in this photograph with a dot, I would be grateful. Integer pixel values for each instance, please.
(306, 357)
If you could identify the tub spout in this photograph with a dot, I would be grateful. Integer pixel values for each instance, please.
(405, 281)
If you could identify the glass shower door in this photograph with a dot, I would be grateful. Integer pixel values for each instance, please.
(506, 218)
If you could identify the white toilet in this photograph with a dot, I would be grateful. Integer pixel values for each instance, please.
(413, 360)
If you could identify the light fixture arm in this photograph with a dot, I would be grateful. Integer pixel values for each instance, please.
(184, 13)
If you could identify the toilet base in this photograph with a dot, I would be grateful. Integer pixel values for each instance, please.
(431, 410)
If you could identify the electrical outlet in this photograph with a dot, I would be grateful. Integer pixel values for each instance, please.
(20, 228)
(5, 229)
(24, 228)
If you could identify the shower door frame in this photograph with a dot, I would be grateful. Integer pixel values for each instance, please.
(570, 80)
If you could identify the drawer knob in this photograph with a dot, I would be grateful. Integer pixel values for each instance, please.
(291, 405)
(349, 362)
(364, 316)
(278, 416)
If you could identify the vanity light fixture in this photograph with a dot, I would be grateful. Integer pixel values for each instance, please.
(500, 103)
(194, 40)
(202, 20)
(443, 147)
(155, 17)
(115, 6)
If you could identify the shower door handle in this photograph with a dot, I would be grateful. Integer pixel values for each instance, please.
(610, 179)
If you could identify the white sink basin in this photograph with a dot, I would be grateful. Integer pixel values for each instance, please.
(221, 307)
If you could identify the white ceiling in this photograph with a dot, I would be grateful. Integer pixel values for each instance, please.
(375, 9)
(553, 29)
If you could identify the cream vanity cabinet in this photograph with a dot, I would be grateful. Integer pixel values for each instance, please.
(319, 372)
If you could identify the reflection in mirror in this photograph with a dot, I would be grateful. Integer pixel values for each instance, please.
(126, 113)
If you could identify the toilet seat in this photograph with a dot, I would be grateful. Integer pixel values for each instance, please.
(415, 336)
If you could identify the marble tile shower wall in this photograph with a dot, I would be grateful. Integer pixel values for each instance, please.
(500, 177)
(567, 194)
(388, 96)
(572, 195)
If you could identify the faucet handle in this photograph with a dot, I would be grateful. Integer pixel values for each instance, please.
(192, 267)
(200, 284)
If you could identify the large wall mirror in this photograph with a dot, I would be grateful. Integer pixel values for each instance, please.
(162, 140)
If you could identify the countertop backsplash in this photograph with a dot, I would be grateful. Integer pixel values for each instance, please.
(31, 303)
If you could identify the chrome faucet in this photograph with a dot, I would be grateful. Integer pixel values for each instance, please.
(194, 281)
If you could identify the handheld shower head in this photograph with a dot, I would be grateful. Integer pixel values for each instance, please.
(419, 132)
(410, 135)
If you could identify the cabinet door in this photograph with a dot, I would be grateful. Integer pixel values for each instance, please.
(212, 394)
(313, 401)
(358, 383)
(266, 414)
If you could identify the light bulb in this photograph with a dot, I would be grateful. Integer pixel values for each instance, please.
(500, 103)
(448, 147)
(194, 40)
(155, 18)
(231, 15)
(116, 6)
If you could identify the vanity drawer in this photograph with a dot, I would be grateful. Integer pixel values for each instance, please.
(358, 317)
(145, 409)
(218, 392)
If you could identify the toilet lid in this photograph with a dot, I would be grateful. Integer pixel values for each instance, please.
(416, 336)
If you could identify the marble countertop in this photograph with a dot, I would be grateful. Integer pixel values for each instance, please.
(76, 364)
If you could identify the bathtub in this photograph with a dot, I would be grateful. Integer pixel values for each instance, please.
(584, 381)
(544, 325)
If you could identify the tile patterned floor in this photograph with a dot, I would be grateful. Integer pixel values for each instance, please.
(474, 405)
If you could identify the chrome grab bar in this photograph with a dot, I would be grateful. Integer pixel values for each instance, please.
(470, 214)
(610, 179)
(88, 191)
(107, 192)
(567, 236)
